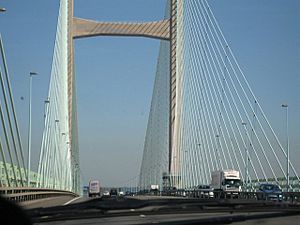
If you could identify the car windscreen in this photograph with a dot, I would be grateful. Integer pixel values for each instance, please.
(270, 188)
(232, 183)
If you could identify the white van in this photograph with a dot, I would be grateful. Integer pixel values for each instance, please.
(94, 188)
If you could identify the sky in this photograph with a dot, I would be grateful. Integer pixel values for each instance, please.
(115, 75)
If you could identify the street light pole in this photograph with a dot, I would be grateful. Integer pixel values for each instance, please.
(246, 158)
(218, 149)
(287, 148)
(29, 126)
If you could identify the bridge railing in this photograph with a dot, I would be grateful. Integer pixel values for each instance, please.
(28, 194)
(292, 197)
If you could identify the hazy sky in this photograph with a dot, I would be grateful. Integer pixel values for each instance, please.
(115, 75)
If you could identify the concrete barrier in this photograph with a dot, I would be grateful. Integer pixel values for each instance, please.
(28, 194)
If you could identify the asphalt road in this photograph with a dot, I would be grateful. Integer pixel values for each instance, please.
(194, 218)
(159, 210)
(52, 202)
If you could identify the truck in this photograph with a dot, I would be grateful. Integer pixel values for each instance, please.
(226, 182)
(94, 188)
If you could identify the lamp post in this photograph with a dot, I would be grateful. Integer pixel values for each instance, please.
(198, 154)
(56, 175)
(31, 74)
(287, 148)
(218, 150)
(246, 158)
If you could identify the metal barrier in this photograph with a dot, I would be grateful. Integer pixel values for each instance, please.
(292, 197)
(28, 194)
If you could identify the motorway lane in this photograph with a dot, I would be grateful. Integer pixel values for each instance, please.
(133, 210)
(54, 201)
(175, 219)
(137, 219)
(290, 220)
(76, 200)
(46, 202)
(69, 200)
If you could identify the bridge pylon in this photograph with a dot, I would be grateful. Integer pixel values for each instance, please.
(62, 89)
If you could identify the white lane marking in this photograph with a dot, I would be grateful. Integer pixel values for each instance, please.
(72, 200)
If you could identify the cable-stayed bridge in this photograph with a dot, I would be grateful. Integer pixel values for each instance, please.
(204, 115)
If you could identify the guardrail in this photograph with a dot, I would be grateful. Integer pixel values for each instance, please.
(291, 197)
(28, 194)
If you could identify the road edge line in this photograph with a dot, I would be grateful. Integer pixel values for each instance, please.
(72, 200)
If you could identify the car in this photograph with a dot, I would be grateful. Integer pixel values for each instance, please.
(172, 191)
(204, 191)
(181, 192)
(269, 191)
(106, 193)
(121, 193)
(129, 193)
(113, 192)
